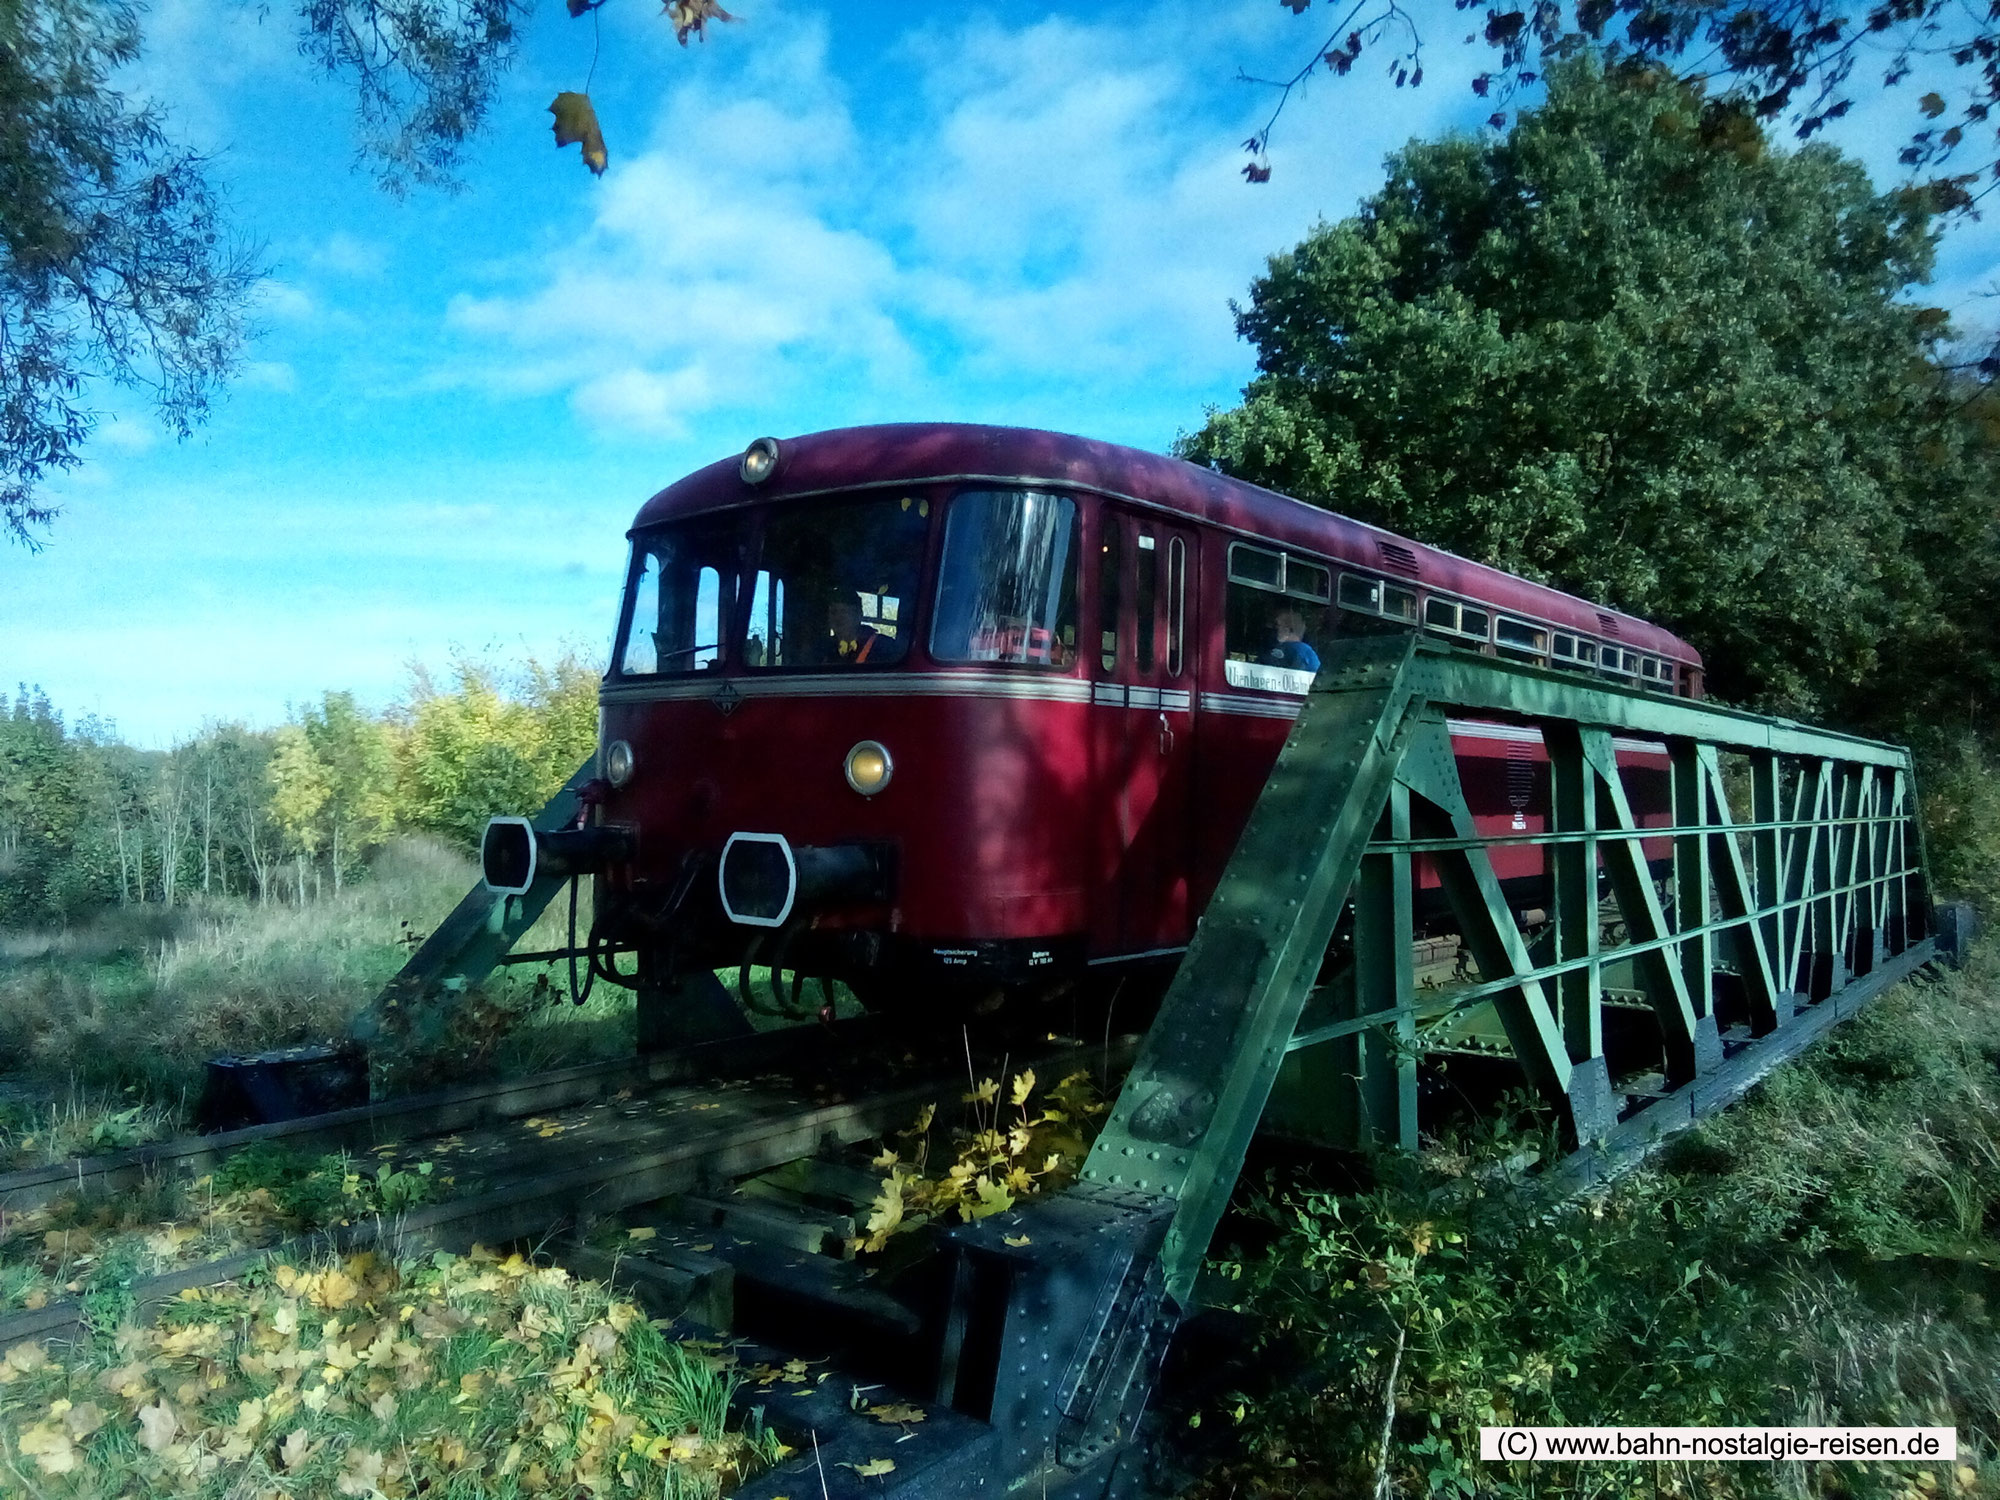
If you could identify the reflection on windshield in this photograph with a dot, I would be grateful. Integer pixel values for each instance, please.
(833, 584)
(1007, 584)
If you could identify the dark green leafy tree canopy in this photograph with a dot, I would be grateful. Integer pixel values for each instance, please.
(1634, 350)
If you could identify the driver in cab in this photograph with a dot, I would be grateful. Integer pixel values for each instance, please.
(851, 638)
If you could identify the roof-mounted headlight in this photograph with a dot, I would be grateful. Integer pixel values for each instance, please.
(760, 460)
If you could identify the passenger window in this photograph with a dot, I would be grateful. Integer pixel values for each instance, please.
(1565, 645)
(1308, 580)
(1253, 565)
(1108, 581)
(1449, 617)
(1176, 603)
(1371, 596)
(1146, 599)
(1586, 653)
(1519, 638)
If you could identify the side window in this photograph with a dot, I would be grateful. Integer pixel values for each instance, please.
(1366, 597)
(1519, 638)
(1109, 558)
(1145, 599)
(1176, 604)
(1449, 617)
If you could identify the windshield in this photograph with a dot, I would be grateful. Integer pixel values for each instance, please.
(815, 584)
(1007, 583)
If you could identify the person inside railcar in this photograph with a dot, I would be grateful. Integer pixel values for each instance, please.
(1288, 625)
(851, 640)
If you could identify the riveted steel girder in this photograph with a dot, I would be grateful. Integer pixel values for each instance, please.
(1823, 884)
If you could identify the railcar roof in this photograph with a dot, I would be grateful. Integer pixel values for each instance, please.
(931, 452)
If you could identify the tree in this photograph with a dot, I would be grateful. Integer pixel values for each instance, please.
(1632, 349)
(332, 779)
(113, 262)
(478, 749)
(1794, 59)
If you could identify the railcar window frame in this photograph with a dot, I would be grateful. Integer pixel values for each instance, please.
(1067, 597)
(1457, 610)
(1373, 596)
(1537, 651)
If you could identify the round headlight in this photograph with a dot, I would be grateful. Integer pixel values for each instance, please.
(760, 460)
(618, 763)
(869, 767)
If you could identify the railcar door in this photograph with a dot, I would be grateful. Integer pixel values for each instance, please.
(1143, 705)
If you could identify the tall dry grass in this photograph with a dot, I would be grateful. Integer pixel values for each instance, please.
(129, 1009)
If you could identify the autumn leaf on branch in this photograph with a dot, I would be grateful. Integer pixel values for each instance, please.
(576, 124)
(691, 17)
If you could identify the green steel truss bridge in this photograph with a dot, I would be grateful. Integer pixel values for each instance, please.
(1669, 966)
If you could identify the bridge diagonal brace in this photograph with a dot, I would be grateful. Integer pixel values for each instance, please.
(467, 945)
(1690, 1040)
(1738, 900)
(1184, 1119)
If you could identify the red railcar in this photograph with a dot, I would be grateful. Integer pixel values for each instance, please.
(928, 701)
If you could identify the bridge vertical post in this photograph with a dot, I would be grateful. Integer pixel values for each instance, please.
(1573, 807)
(1384, 932)
(1803, 872)
(1767, 869)
(1691, 877)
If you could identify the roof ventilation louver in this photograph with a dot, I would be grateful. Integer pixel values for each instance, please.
(1607, 623)
(1398, 558)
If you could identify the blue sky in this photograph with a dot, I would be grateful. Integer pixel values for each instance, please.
(823, 216)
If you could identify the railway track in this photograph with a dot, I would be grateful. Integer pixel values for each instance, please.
(539, 1157)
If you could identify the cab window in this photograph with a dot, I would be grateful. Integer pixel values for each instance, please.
(1006, 587)
(835, 584)
(681, 584)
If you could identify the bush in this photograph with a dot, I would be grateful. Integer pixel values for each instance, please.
(1823, 1254)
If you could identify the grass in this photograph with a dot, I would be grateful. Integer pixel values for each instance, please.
(104, 1031)
(458, 1378)
(1825, 1253)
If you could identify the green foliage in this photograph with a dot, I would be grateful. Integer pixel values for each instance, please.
(1958, 786)
(1822, 1255)
(311, 1191)
(1632, 349)
(477, 749)
(113, 264)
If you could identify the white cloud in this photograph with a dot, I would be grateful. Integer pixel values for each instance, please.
(269, 375)
(282, 300)
(1043, 211)
(126, 434)
(347, 255)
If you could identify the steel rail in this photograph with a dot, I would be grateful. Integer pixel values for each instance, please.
(618, 1178)
(439, 1112)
